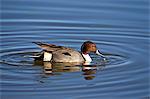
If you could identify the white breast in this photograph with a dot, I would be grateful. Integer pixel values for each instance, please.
(87, 57)
(47, 56)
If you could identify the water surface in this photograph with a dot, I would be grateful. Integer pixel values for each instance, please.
(118, 27)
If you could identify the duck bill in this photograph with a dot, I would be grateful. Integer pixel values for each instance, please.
(98, 53)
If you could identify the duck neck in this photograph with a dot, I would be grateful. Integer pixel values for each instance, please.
(87, 57)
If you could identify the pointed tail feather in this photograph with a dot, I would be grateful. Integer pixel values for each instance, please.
(47, 47)
(44, 44)
(38, 43)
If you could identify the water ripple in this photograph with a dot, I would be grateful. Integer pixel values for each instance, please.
(119, 28)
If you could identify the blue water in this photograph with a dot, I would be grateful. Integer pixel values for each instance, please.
(120, 28)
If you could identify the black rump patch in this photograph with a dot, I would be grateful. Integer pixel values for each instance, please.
(66, 53)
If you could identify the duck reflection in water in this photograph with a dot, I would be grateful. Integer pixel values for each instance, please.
(89, 71)
(51, 69)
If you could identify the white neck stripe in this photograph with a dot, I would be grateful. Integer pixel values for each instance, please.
(87, 57)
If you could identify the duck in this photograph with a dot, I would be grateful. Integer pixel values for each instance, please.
(55, 53)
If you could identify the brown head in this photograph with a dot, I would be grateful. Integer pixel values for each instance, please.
(88, 47)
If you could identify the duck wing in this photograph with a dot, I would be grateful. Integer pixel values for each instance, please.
(49, 47)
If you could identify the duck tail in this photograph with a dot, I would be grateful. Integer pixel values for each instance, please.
(45, 45)
(38, 43)
(42, 44)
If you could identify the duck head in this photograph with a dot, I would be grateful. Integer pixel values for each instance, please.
(88, 47)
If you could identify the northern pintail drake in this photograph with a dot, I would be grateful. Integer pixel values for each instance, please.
(56, 53)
